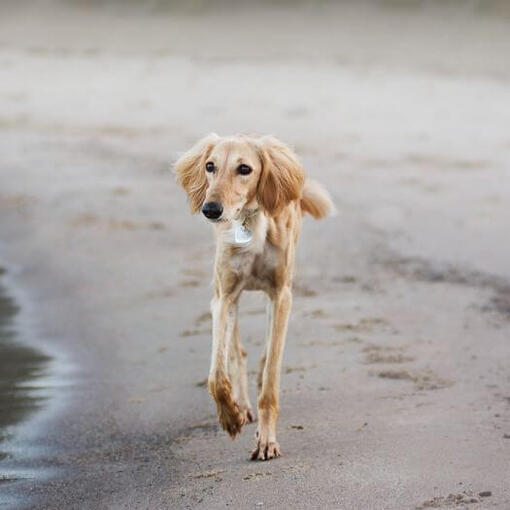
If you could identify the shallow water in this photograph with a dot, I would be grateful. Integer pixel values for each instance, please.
(21, 368)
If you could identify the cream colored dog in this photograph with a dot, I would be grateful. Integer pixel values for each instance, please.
(254, 192)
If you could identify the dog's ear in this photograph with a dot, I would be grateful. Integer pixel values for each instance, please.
(282, 177)
(190, 171)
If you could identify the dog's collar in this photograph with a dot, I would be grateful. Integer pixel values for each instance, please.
(249, 213)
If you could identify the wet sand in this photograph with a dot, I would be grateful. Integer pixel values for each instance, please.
(25, 389)
(395, 391)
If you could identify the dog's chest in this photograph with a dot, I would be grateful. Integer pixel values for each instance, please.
(252, 265)
(256, 270)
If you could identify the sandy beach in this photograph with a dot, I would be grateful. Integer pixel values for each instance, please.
(396, 385)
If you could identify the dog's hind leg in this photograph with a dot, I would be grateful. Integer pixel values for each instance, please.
(231, 417)
(238, 373)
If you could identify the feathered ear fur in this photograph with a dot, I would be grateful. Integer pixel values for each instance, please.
(282, 176)
(190, 172)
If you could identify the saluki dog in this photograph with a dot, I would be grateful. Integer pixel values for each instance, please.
(254, 192)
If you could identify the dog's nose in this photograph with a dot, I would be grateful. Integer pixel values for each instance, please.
(212, 210)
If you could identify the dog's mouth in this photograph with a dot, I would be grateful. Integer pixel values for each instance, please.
(216, 220)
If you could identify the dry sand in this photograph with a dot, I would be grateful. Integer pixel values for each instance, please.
(396, 389)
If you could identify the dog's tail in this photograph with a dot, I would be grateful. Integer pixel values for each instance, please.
(316, 201)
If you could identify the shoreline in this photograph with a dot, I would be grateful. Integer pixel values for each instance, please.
(22, 438)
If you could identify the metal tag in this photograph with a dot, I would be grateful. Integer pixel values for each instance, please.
(239, 235)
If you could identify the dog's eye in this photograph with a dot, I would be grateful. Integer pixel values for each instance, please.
(243, 169)
(209, 166)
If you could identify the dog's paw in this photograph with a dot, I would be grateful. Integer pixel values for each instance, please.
(231, 418)
(265, 450)
(249, 415)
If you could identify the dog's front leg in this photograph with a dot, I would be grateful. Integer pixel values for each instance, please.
(223, 315)
(269, 398)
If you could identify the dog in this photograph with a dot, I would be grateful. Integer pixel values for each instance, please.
(254, 192)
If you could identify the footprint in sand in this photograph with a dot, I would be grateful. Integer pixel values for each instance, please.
(364, 324)
(385, 354)
(455, 500)
(423, 380)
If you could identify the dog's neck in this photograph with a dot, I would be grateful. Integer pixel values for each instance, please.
(249, 217)
(247, 232)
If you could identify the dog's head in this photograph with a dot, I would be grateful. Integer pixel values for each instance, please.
(224, 176)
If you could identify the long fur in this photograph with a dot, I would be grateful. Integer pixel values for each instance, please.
(282, 176)
(189, 171)
(316, 201)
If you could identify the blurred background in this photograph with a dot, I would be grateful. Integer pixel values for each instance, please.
(395, 390)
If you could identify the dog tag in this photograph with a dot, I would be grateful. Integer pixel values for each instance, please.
(241, 236)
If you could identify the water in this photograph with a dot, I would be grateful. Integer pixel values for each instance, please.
(22, 389)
